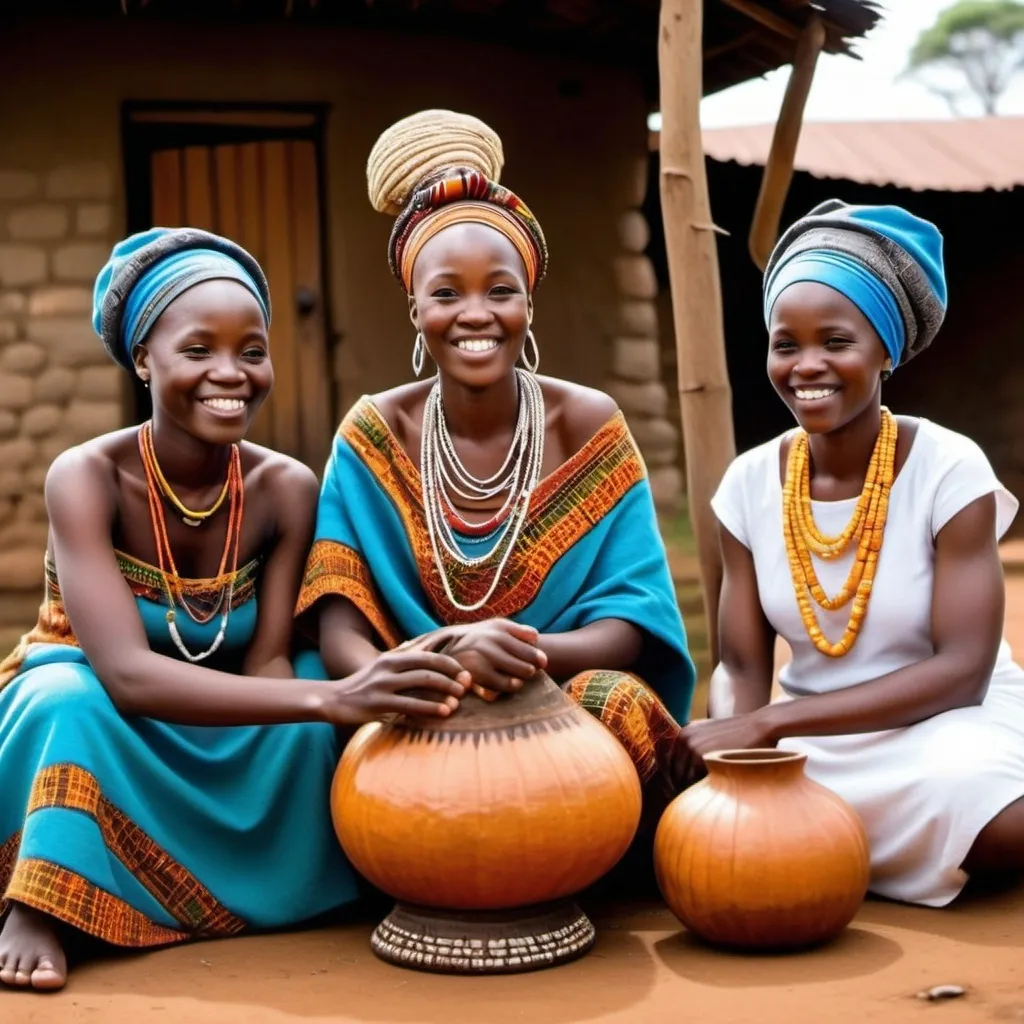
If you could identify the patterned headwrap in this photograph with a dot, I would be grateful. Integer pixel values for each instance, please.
(465, 197)
(146, 272)
(886, 261)
(438, 168)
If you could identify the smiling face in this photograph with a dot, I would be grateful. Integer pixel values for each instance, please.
(824, 358)
(470, 300)
(207, 361)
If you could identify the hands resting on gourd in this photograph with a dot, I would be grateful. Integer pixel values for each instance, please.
(499, 655)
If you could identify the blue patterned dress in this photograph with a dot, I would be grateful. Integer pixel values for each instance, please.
(144, 833)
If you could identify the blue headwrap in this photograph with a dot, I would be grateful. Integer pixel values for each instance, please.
(148, 271)
(848, 276)
(886, 261)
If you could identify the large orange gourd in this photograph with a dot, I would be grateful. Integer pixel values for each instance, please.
(758, 856)
(483, 824)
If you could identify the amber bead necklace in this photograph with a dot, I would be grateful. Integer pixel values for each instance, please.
(865, 529)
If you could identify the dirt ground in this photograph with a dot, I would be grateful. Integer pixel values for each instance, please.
(644, 968)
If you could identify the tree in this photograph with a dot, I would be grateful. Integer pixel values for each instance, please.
(982, 40)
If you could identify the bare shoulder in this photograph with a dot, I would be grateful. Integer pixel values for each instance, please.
(278, 477)
(98, 460)
(83, 481)
(402, 407)
(578, 412)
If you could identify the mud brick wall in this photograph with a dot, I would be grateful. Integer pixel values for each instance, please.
(637, 381)
(57, 386)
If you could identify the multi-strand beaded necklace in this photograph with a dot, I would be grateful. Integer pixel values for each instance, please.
(865, 529)
(157, 488)
(443, 475)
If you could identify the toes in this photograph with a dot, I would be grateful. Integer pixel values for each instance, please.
(15, 973)
(9, 971)
(48, 976)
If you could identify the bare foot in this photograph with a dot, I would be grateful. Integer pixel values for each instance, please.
(30, 952)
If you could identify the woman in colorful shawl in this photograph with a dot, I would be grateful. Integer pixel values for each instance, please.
(503, 514)
(152, 792)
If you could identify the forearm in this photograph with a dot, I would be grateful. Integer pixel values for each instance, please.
(346, 651)
(151, 685)
(278, 667)
(607, 644)
(894, 701)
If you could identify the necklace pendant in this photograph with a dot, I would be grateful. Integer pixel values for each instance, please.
(191, 522)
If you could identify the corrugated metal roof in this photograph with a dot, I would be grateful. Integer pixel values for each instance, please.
(968, 155)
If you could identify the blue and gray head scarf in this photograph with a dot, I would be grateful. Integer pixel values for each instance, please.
(146, 272)
(886, 261)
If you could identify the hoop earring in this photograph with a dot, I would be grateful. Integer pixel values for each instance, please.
(531, 364)
(419, 354)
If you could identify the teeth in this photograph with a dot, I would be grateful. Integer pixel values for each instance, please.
(477, 345)
(809, 394)
(225, 404)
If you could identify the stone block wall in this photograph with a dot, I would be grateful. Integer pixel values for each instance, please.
(57, 385)
(637, 381)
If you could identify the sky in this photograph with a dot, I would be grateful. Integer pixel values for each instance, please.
(850, 90)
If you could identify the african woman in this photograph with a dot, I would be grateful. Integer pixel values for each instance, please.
(502, 513)
(868, 541)
(159, 758)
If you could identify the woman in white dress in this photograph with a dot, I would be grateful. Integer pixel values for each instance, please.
(869, 543)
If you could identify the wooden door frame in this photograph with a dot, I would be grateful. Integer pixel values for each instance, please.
(174, 123)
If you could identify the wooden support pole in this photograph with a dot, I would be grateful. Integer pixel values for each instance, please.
(704, 396)
(778, 169)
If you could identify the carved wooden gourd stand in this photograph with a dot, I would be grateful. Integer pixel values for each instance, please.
(758, 856)
(482, 825)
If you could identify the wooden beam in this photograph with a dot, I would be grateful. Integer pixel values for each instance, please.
(835, 42)
(705, 398)
(733, 44)
(769, 19)
(778, 169)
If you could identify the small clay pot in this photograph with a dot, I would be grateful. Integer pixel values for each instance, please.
(483, 824)
(758, 856)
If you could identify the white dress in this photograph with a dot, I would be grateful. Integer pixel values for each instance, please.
(926, 791)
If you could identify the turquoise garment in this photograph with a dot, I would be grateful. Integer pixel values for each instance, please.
(141, 832)
(590, 550)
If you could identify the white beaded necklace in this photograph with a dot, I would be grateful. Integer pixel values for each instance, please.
(519, 474)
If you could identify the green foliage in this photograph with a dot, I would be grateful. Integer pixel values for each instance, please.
(981, 39)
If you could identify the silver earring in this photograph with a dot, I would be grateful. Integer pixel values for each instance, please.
(419, 352)
(531, 364)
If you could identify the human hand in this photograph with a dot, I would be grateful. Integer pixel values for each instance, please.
(416, 683)
(499, 654)
(740, 732)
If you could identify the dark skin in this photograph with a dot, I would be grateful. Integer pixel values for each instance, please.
(819, 341)
(469, 282)
(210, 345)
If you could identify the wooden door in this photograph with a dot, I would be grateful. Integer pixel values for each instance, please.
(265, 196)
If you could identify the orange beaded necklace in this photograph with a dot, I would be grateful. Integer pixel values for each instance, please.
(165, 557)
(866, 528)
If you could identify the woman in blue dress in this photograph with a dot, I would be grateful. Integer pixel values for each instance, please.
(158, 755)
